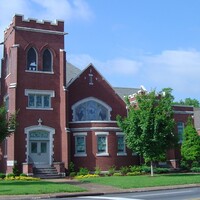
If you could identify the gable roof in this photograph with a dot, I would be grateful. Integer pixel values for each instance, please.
(73, 72)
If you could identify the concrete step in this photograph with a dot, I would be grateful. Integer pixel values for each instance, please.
(46, 173)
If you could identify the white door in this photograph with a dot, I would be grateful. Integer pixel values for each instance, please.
(39, 153)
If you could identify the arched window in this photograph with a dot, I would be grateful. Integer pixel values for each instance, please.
(47, 61)
(91, 109)
(31, 59)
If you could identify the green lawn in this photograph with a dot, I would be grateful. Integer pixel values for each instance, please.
(126, 182)
(35, 187)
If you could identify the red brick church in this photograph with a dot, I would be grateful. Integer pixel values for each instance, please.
(65, 114)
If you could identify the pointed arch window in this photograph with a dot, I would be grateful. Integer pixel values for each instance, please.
(31, 59)
(47, 60)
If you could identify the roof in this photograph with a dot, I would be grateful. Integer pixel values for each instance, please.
(122, 91)
(73, 72)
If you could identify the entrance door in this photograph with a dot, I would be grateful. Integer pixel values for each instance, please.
(39, 153)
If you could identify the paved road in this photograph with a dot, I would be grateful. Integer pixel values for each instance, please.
(175, 194)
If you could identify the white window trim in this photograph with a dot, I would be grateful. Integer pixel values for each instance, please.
(80, 154)
(51, 93)
(121, 153)
(106, 135)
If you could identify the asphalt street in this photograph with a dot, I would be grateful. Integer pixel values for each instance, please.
(175, 194)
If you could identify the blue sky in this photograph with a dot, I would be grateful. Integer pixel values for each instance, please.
(155, 43)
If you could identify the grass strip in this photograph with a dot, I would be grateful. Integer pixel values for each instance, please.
(127, 182)
(35, 187)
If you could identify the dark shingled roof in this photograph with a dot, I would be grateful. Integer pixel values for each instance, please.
(71, 71)
(122, 92)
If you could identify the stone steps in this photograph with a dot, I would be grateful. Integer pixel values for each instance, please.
(46, 173)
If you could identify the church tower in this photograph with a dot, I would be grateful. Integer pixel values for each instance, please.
(33, 82)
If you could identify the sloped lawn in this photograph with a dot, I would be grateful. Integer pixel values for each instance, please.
(35, 187)
(126, 182)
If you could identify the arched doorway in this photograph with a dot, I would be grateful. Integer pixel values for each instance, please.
(39, 145)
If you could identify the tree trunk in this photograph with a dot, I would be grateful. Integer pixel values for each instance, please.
(151, 168)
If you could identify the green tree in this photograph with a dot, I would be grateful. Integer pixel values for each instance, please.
(7, 123)
(189, 102)
(190, 149)
(149, 125)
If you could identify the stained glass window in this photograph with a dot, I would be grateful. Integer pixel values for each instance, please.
(91, 110)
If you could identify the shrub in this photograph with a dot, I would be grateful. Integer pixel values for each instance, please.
(145, 169)
(160, 170)
(133, 173)
(2, 176)
(195, 169)
(195, 164)
(111, 170)
(184, 165)
(16, 171)
(83, 171)
(10, 175)
(22, 174)
(135, 168)
(21, 178)
(97, 171)
(124, 170)
(117, 174)
(71, 167)
(72, 174)
(86, 176)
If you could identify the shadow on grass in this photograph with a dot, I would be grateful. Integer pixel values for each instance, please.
(26, 183)
(184, 174)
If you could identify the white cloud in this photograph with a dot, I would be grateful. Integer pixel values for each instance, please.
(67, 10)
(63, 9)
(178, 69)
(121, 66)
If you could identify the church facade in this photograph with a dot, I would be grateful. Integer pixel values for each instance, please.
(65, 115)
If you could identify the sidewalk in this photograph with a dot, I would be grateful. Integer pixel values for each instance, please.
(92, 189)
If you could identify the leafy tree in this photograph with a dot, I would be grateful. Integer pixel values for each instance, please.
(7, 123)
(189, 102)
(149, 125)
(190, 149)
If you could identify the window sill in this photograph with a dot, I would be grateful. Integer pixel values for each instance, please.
(80, 155)
(39, 72)
(121, 154)
(102, 154)
(29, 108)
